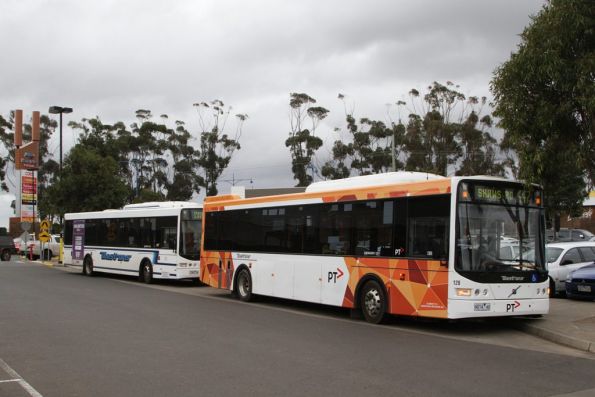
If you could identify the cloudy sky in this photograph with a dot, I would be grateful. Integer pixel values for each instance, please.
(112, 57)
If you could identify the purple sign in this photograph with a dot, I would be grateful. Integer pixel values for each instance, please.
(78, 239)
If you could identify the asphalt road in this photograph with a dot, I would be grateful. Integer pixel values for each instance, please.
(63, 334)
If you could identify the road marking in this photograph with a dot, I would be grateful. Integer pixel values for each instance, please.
(19, 379)
(10, 380)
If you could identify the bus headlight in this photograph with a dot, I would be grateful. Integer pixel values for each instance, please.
(463, 291)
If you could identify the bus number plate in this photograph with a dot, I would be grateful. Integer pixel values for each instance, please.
(482, 307)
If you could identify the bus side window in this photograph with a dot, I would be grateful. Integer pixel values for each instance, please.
(428, 226)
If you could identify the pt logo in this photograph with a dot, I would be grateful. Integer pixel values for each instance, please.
(333, 276)
(511, 307)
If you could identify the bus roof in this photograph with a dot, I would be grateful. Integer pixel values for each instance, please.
(134, 210)
(367, 187)
(389, 178)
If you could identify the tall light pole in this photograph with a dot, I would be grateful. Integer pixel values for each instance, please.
(60, 110)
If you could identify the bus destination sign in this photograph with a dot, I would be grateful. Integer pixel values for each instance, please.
(493, 194)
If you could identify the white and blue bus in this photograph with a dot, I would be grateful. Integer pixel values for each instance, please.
(156, 240)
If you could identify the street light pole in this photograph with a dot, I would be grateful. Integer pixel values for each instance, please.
(60, 110)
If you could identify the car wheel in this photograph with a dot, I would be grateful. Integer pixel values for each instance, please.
(47, 254)
(88, 266)
(5, 256)
(373, 302)
(244, 285)
(146, 273)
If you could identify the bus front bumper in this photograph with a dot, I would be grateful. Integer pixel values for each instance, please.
(467, 308)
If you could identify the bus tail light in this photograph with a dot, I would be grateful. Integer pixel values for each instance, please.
(463, 291)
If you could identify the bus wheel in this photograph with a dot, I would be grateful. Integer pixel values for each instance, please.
(244, 285)
(88, 266)
(373, 302)
(5, 256)
(552, 288)
(146, 273)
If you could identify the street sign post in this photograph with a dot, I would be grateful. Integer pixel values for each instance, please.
(44, 236)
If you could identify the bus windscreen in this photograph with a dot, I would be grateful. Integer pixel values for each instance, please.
(499, 229)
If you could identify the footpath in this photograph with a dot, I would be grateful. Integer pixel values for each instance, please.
(570, 322)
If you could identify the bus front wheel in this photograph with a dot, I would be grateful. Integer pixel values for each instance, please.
(244, 285)
(146, 274)
(373, 302)
(88, 266)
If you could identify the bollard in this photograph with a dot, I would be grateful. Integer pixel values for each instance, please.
(30, 252)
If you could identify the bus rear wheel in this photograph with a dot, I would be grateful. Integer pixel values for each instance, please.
(146, 273)
(88, 266)
(373, 302)
(244, 285)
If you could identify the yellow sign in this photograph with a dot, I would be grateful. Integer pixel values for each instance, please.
(44, 237)
(45, 226)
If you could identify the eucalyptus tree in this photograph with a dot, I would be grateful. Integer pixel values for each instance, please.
(216, 146)
(303, 142)
(7, 139)
(147, 151)
(364, 147)
(430, 136)
(184, 182)
(89, 182)
(113, 140)
(480, 148)
(545, 99)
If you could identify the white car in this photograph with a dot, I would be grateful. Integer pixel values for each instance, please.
(23, 242)
(50, 249)
(563, 258)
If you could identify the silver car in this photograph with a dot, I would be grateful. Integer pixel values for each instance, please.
(563, 258)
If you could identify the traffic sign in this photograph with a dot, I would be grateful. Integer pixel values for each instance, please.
(44, 236)
(45, 226)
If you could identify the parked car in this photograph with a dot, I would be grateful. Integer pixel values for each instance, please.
(6, 247)
(564, 235)
(580, 283)
(23, 243)
(563, 258)
(50, 249)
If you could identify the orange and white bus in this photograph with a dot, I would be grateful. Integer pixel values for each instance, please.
(403, 243)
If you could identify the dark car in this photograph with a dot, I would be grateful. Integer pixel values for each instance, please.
(7, 247)
(564, 235)
(580, 284)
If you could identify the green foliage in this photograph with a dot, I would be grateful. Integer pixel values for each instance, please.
(155, 161)
(302, 142)
(368, 150)
(7, 138)
(89, 182)
(443, 129)
(545, 98)
(216, 147)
